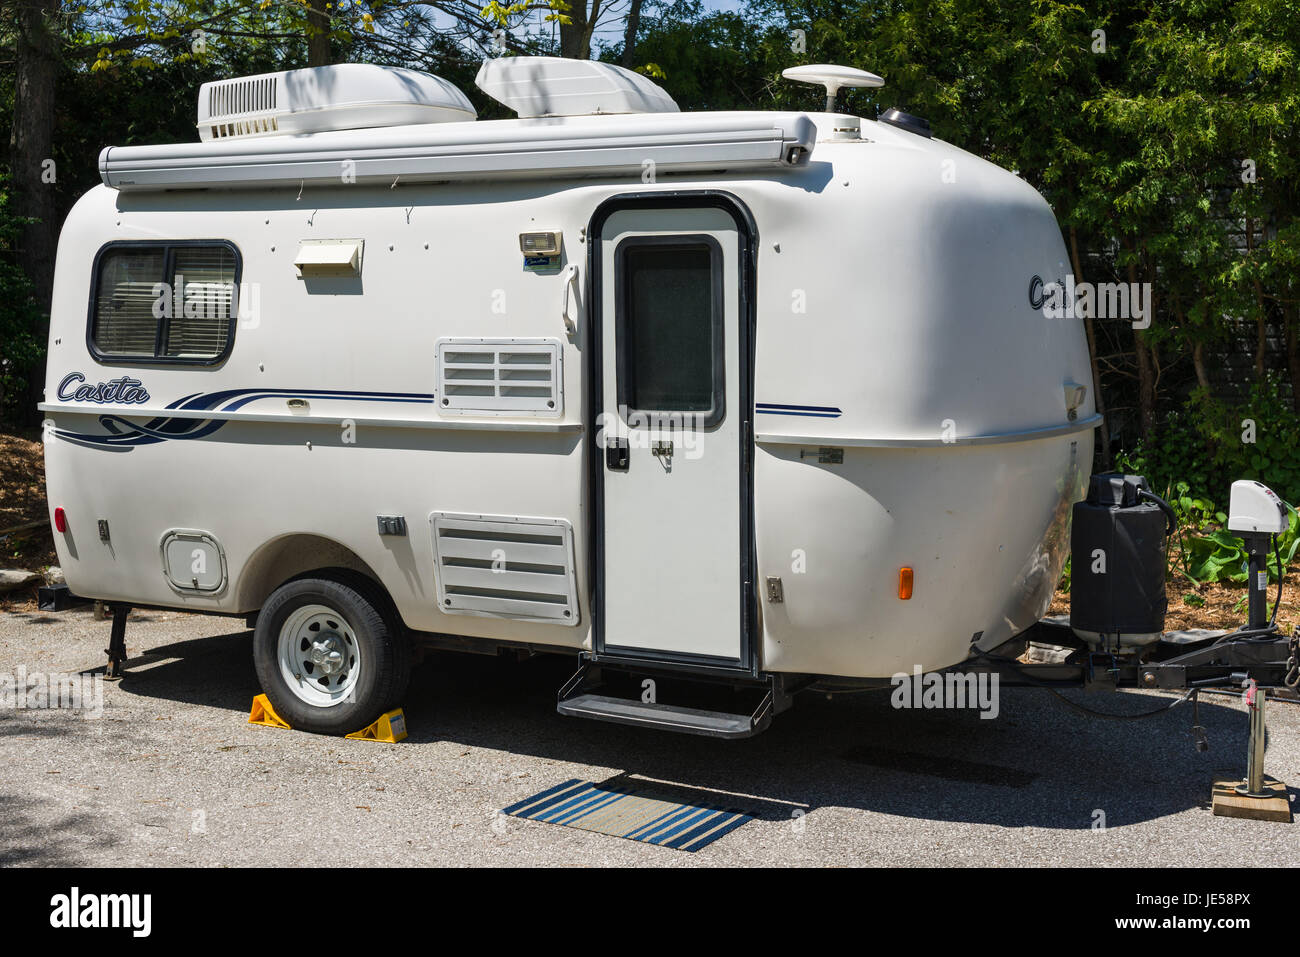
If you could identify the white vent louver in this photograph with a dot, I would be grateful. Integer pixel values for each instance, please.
(505, 567)
(240, 108)
(500, 377)
(347, 96)
(555, 86)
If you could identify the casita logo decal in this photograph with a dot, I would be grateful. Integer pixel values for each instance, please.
(1036, 297)
(123, 389)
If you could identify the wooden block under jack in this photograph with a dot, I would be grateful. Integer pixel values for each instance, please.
(1227, 802)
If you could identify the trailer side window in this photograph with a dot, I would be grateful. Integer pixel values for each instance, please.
(164, 302)
(670, 326)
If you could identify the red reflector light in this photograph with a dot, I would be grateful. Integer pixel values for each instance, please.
(60, 520)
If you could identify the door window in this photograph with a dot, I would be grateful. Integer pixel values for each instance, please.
(669, 326)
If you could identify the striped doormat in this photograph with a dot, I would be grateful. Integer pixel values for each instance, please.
(621, 813)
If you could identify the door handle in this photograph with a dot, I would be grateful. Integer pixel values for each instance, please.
(570, 279)
(616, 455)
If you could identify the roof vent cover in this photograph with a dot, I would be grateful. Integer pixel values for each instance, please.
(347, 96)
(906, 121)
(553, 86)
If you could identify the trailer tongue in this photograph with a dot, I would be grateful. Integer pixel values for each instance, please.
(1113, 639)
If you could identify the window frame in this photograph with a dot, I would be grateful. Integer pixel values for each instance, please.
(623, 308)
(169, 275)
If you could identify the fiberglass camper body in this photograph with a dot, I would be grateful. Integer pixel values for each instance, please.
(745, 395)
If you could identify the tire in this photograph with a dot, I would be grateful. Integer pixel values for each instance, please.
(331, 653)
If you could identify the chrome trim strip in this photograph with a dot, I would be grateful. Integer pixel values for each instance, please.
(996, 438)
(136, 412)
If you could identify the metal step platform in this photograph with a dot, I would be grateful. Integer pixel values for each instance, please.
(580, 698)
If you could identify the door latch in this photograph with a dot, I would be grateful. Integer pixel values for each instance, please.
(616, 455)
(663, 451)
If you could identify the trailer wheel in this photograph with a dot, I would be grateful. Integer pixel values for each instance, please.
(331, 653)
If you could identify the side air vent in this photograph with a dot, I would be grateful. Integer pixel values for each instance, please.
(499, 566)
(500, 377)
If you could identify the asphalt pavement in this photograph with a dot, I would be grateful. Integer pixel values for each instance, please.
(171, 773)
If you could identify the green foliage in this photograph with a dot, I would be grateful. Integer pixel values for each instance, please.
(22, 342)
(1216, 555)
(705, 60)
(1194, 456)
(1208, 444)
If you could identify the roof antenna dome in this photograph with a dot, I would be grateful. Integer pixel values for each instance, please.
(833, 77)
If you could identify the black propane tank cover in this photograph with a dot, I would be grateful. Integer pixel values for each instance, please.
(1115, 488)
(1117, 559)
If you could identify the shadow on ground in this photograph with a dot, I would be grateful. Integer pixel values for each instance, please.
(1037, 764)
(27, 839)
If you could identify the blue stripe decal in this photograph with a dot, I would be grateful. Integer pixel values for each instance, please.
(621, 813)
(124, 435)
(816, 411)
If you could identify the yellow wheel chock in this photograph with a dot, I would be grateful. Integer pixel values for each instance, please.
(264, 714)
(389, 727)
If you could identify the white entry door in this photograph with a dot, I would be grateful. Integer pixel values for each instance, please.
(670, 426)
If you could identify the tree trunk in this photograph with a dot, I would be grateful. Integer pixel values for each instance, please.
(31, 159)
(318, 34)
(1092, 354)
(1198, 363)
(1146, 383)
(1145, 366)
(629, 37)
(575, 37)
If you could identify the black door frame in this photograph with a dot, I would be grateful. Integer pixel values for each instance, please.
(747, 244)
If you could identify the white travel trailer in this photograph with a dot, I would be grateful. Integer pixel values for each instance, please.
(762, 398)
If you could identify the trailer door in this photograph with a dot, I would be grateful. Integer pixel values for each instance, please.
(671, 421)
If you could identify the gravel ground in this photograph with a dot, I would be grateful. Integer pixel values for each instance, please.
(172, 773)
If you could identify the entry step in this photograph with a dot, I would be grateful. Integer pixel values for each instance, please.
(714, 724)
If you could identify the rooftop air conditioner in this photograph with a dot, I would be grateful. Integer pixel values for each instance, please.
(348, 96)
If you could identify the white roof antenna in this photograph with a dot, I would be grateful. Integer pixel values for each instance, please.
(832, 77)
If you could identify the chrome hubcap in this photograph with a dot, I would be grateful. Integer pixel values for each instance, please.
(327, 655)
(319, 656)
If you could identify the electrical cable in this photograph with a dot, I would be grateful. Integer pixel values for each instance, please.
(1281, 574)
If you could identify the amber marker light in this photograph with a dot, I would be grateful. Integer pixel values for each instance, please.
(905, 583)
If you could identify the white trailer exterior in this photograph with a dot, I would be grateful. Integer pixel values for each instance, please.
(878, 390)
